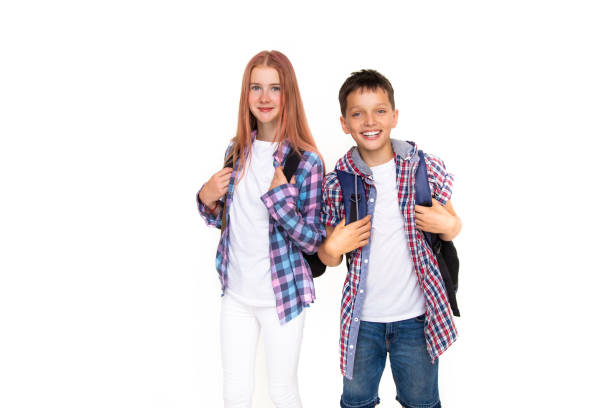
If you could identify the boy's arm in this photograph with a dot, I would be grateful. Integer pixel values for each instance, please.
(438, 219)
(342, 239)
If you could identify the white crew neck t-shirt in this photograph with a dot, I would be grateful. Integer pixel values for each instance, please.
(249, 278)
(393, 292)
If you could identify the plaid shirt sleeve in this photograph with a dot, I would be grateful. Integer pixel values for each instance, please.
(211, 219)
(440, 181)
(332, 208)
(295, 209)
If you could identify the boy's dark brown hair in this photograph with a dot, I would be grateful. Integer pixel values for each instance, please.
(365, 79)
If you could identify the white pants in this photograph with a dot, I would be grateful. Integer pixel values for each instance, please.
(240, 326)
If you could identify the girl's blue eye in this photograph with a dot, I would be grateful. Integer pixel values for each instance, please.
(255, 88)
(276, 88)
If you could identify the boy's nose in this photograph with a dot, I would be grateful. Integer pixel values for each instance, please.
(369, 118)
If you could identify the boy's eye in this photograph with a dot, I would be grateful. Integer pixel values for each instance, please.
(356, 114)
(381, 111)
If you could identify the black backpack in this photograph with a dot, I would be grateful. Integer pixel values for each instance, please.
(317, 268)
(354, 199)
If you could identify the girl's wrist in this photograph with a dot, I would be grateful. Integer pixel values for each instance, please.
(210, 209)
(205, 199)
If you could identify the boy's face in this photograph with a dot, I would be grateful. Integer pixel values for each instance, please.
(369, 119)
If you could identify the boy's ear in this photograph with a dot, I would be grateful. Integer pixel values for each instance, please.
(395, 115)
(344, 127)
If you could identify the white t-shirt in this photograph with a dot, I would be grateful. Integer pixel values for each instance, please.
(393, 292)
(249, 278)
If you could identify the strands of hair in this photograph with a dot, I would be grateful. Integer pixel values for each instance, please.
(365, 79)
(292, 124)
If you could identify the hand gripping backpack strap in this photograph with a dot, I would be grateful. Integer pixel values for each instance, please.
(354, 200)
(444, 251)
(292, 162)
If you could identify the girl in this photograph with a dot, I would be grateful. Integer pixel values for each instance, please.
(266, 223)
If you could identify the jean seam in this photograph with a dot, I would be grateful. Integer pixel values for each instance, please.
(365, 404)
(436, 404)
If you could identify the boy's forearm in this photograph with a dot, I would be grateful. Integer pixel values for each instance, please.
(453, 230)
(327, 257)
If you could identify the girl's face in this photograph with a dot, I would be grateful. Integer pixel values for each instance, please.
(265, 95)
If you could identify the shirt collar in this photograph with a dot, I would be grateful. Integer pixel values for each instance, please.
(282, 149)
(402, 150)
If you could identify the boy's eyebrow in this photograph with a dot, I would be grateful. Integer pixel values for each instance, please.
(385, 104)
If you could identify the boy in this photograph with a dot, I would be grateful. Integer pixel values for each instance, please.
(393, 299)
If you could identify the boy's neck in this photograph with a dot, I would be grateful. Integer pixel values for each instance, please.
(378, 157)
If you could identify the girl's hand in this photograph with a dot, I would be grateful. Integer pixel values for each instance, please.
(279, 178)
(346, 238)
(215, 187)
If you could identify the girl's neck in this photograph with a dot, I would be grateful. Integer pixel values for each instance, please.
(266, 131)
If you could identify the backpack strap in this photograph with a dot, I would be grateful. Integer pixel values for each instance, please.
(353, 195)
(291, 164)
(422, 194)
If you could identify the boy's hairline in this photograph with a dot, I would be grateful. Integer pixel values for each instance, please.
(364, 88)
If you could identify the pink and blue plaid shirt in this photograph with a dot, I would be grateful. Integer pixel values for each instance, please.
(295, 227)
(440, 331)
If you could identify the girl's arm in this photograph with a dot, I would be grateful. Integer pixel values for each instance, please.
(211, 197)
(303, 227)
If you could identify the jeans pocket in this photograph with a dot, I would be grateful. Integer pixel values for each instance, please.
(421, 318)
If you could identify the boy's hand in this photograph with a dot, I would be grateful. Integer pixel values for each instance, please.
(279, 178)
(215, 187)
(346, 238)
(436, 219)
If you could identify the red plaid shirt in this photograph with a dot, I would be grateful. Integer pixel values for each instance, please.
(440, 331)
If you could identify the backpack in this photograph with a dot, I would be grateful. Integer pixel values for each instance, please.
(354, 199)
(317, 268)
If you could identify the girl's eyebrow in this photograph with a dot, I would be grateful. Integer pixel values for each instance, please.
(257, 83)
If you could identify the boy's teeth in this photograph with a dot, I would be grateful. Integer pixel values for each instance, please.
(370, 133)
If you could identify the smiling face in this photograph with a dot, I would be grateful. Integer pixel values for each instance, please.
(265, 97)
(369, 119)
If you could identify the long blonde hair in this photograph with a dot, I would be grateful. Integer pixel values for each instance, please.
(292, 124)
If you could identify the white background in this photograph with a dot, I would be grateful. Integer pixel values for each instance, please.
(113, 113)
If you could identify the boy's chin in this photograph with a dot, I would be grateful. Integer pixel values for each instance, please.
(372, 144)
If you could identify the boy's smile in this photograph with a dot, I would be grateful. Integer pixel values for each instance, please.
(369, 119)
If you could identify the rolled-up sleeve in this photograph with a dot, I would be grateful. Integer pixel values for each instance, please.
(440, 181)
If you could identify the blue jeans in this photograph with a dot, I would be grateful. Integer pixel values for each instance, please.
(416, 378)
